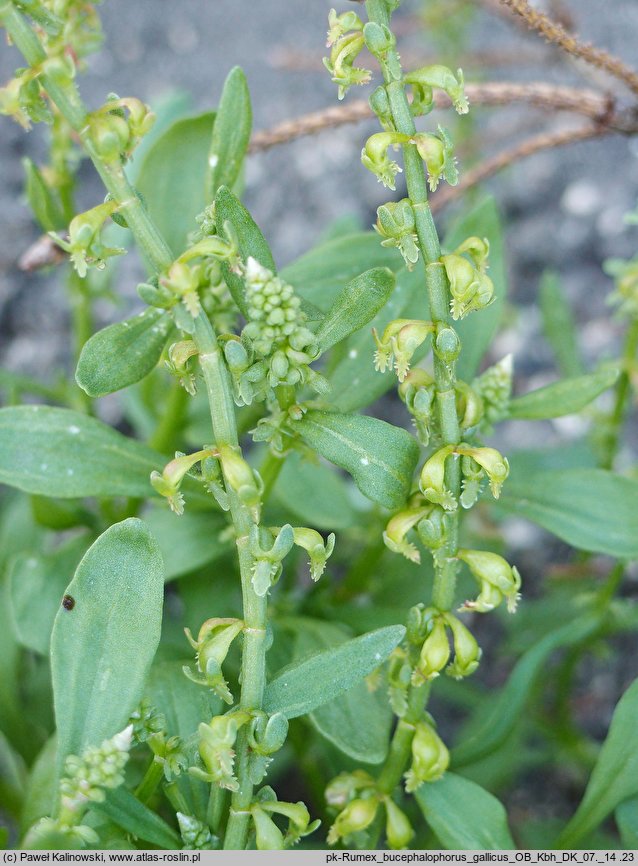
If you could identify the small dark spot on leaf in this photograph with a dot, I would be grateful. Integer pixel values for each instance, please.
(68, 602)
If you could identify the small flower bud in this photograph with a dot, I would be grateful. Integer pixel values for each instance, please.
(268, 836)
(423, 80)
(430, 758)
(156, 296)
(397, 529)
(438, 154)
(471, 289)
(435, 654)
(168, 482)
(195, 835)
(399, 677)
(216, 741)
(84, 244)
(447, 345)
(495, 388)
(298, 819)
(241, 478)
(318, 550)
(432, 479)
(341, 24)
(396, 225)
(492, 461)
(267, 565)
(399, 342)
(478, 249)
(398, 829)
(344, 787)
(183, 281)
(212, 645)
(431, 530)
(497, 580)
(467, 652)
(340, 63)
(357, 816)
(179, 355)
(374, 156)
(379, 39)
(380, 105)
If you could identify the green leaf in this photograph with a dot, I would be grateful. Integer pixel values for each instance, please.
(615, 775)
(339, 720)
(355, 306)
(508, 705)
(39, 800)
(123, 353)
(320, 274)
(354, 381)
(464, 816)
(125, 810)
(228, 208)
(102, 648)
(231, 132)
(559, 325)
(58, 452)
(626, 816)
(562, 398)
(478, 329)
(42, 202)
(187, 542)
(380, 457)
(307, 684)
(36, 585)
(172, 178)
(591, 509)
(314, 493)
(13, 778)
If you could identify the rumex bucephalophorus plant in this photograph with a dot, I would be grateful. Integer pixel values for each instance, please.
(167, 753)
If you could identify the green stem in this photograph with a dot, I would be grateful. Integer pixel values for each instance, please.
(159, 257)
(623, 392)
(439, 301)
(153, 776)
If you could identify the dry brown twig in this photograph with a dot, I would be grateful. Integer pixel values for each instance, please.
(558, 35)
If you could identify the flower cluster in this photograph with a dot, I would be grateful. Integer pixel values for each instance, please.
(346, 40)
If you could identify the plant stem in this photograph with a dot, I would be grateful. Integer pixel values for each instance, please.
(439, 300)
(622, 391)
(149, 783)
(159, 257)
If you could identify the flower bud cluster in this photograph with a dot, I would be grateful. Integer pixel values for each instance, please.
(428, 632)
(99, 768)
(396, 225)
(418, 392)
(118, 127)
(438, 154)
(346, 40)
(215, 745)
(146, 721)
(22, 99)
(400, 340)
(470, 287)
(498, 580)
(268, 555)
(212, 645)
(276, 347)
(195, 834)
(495, 388)
(430, 757)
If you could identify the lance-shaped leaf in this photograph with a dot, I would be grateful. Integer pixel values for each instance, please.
(58, 452)
(172, 178)
(355, 306)
(464, 816)
(559, 325)
(307, 684)
(43, 203)
(123, 353)
(380, 457)
(228, 208)
(231, 132)
(615, 775)
(591, 509)
(125, 810)
(103, 642)
(564, 397)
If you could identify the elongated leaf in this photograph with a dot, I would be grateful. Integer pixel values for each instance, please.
(43, 203)
(355, 306)
(305, 685)
(102, 647)
(464, 816)
(172, 178)
(320, 274)
(124, 353)
(559, 325)
(315, 494)
(591, 509)
(187, 542)
(36, 584)
(339, 720)
(478, 329)
(615, 776)
(58, 452)
(231, 132)
(626, 816)
(380, 457)
(564, 397)
(13, 777)
(125, 810)
(228, 208)
(39, 800)
(510, 702)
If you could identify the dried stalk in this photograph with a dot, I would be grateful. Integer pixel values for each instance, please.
(556, 34)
